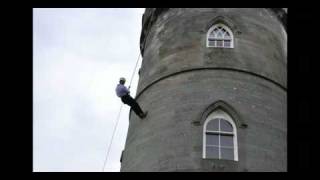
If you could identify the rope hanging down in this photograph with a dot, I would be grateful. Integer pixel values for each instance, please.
(118, 118)
(134, 70)
(105, 162)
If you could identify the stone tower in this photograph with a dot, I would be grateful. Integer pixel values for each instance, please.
(214, 83)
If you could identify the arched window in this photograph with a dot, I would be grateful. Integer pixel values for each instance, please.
(220, 36)
(220, 137)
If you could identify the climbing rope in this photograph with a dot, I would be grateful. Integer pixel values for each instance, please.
(134, 70)
(118, 118)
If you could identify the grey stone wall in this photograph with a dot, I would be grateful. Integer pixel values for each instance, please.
(180, 77)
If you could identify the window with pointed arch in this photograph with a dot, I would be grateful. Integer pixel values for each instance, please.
(220, 137)
(220, 36)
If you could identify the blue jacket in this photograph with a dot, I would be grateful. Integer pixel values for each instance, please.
(121, 90)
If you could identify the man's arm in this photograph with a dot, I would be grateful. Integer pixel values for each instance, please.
(126, 89)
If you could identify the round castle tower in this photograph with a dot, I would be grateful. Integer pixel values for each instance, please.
(213, 81)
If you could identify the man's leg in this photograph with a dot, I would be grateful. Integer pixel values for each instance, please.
(134, 105)
(137, 109)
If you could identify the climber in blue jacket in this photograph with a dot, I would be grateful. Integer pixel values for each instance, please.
(123, 92)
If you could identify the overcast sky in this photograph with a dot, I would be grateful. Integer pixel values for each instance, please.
(78, 57)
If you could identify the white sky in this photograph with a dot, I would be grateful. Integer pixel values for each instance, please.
(78, 57)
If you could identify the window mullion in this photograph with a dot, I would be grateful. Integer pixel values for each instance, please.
(219, 141)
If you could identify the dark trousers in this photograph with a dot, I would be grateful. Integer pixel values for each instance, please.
(127, 99)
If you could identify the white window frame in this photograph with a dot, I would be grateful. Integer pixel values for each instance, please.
(219, 114)
(227, 29)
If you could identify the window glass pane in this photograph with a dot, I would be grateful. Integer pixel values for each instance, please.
(212, 139)
(227, 43)
(220, 34)
(213, 125)
(214, 32)
(227, 153)
(219, 43)
(211, 42)
(226, 140)
(227, 35)
(225, 126)
(212, 152)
